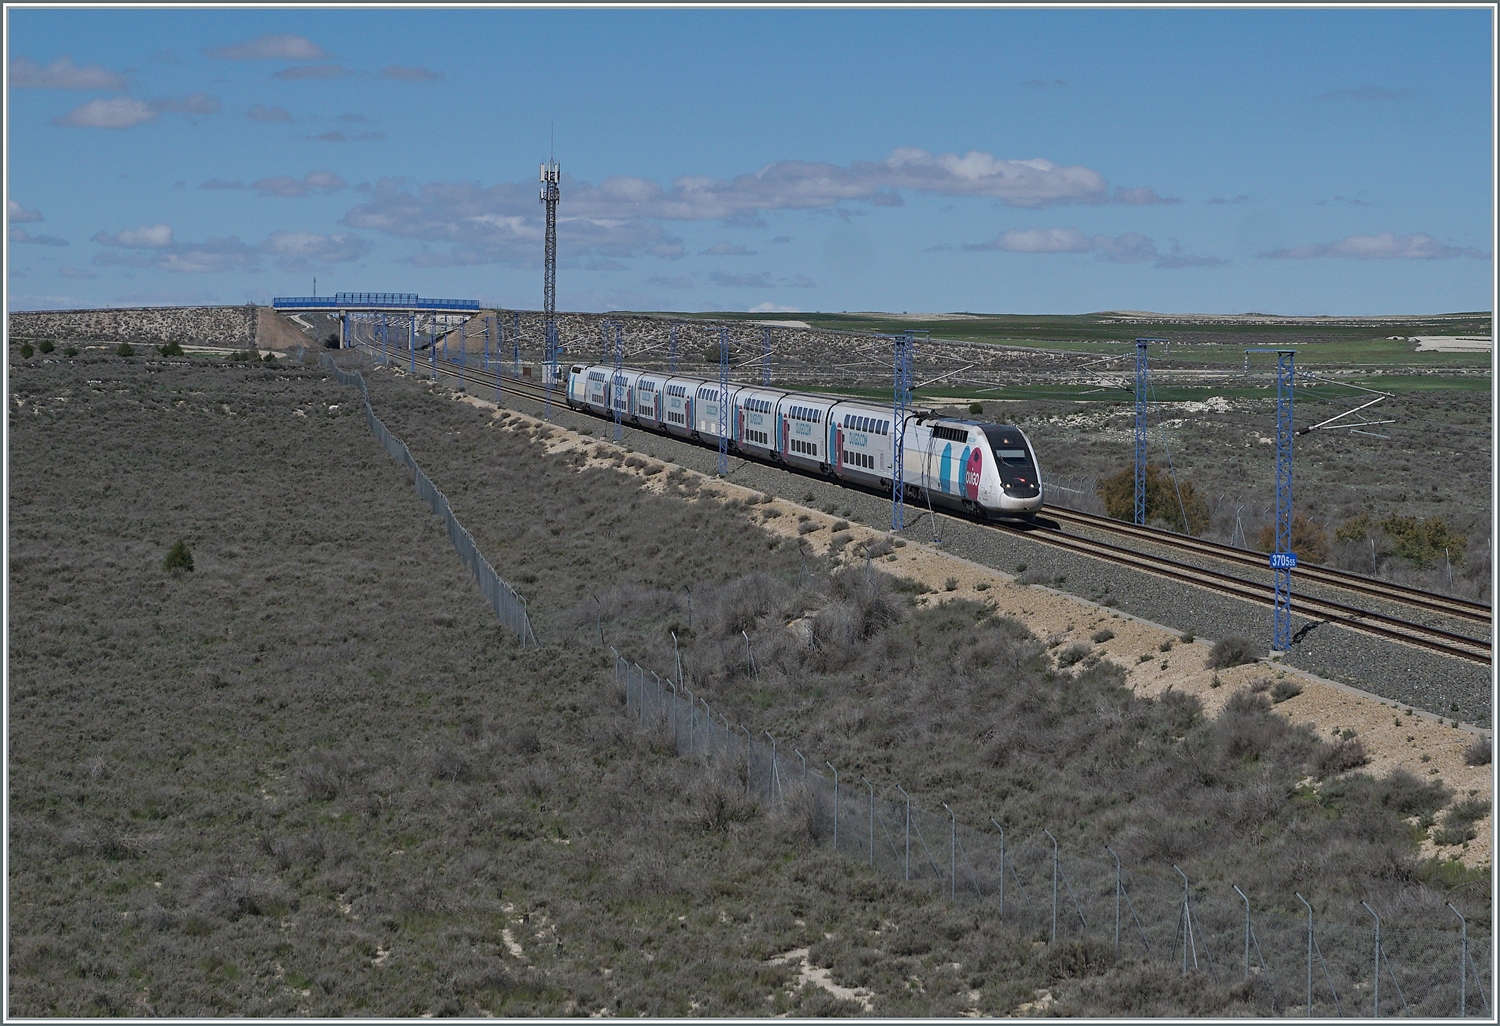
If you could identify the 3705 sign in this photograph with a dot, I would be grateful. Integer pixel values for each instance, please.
(1283, 560)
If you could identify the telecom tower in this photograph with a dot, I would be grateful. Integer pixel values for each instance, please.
(550, 176)
(900, 400)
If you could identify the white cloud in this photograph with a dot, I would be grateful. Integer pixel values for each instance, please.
(73, 272)
(1129, 248)
(1039, 240)
(281, 46)
(302, 249)
(1385, 246)
(761, 280)
(120, 112)
(17, 214)
(155, 246)
(682, 281)
(769, 307)
(197, 103)
(727, 249)
(313, 71)
(285, 185)
(21, 235)
(62, 74)
(1143, 197)
(156, 236)
(260, 112)
(1223, 201)
(801, 281)
(401, 74)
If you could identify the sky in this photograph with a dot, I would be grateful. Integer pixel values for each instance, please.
(1006, 160)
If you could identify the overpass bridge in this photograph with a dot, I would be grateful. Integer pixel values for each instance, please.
(405, 306)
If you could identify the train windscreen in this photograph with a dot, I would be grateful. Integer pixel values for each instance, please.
(1012, 458)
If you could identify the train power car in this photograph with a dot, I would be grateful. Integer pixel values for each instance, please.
(982, 470)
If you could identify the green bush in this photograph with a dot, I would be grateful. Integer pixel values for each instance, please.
(1309, 539)
(976, 408)
(1424, 542)
(45, 345)
(179, 557)
(1118, 494)
(124, 349)
(26, 350)
(170, 349)
(71, 351)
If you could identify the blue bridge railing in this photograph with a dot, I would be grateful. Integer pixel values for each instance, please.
(372, 300)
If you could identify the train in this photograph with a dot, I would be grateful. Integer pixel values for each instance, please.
(985, 471)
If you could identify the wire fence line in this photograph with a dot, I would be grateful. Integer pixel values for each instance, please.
(1290, 963)
(1080, 493)
(509, 606)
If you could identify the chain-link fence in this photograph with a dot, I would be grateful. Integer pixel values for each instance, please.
(1293, 964)
(509, 606)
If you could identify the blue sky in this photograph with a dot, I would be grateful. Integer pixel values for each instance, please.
(1029, 161)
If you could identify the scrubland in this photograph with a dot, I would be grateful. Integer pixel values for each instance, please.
(311, 775)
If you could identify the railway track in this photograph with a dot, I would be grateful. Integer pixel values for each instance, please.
(1461, 609)
(1435, 639)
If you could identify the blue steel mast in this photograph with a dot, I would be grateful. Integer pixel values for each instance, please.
(723, 402)
(617, 386)
(900, 400)
(1283, 559)
(1142, 389)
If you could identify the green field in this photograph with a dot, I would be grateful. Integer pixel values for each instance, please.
(1345, 343)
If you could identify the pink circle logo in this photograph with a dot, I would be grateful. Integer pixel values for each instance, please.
(972, 472)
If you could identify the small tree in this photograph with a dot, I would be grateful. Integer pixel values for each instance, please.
(71, 351)
(1118, 493)
(1309, 539)
(179, 557)
(124, 349)
(170, 349)
(45, 345)
(976, 408)
(26, 350)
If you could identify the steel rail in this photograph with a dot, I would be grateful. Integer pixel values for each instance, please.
(1342, 579)
(1435, 639)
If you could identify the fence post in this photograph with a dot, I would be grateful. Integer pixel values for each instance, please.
(1247, 927)
(1463, 962)
(1002, 866)
(835, 804)
(1117, 910)
(1309, 951)
(1054, 886)
(1377, 956)
(872, 820)
(804, 764)
(749, 751)
(775, 777)
(952, 856)
(677, 654)
(908, 831)
(692, 715)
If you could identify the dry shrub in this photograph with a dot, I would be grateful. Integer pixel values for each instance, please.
(1233, 650)
(225, 891)
(1074, 959)
(796, 818)
(1478, 753)
(1346, 754)
(450, 764)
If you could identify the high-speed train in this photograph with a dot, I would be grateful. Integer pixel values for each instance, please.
(984, 470)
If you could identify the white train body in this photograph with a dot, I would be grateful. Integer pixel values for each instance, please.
(983, 469)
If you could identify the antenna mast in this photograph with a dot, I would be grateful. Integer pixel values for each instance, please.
(550, 176)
